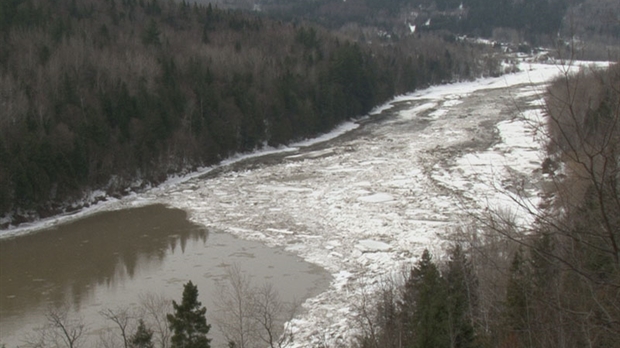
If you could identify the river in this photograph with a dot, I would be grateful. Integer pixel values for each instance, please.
(109, 260)
(366, 204)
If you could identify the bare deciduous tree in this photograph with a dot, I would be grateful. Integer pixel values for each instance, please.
(122, 318)
(60, 330)
(153, 310)
(572, 262)
(251, 316)
(235, 307)
(270, 313)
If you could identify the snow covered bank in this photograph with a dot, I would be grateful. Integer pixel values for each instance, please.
(364, 206)
(98, 200)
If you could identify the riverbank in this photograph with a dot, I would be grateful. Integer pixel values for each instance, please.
(366, 204)
(115, 260)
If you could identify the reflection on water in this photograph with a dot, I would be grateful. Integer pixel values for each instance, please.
(109, 259)
(65, 264)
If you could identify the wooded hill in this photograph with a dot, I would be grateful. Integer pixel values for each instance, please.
(551, 283)
(111, 95)
(536, 21)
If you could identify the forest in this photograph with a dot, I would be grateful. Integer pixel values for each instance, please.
(538, 22)
(118, 95)
(554, 283)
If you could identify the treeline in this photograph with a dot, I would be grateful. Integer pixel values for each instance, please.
(594, 20)
(553, 284)
(531, 18)
(434, 307)
(106, 95)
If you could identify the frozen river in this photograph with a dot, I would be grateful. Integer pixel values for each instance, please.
(366, 203)
(369, 201)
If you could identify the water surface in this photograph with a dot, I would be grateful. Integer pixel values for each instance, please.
(108, 260)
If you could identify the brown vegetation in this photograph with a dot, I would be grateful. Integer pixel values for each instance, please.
(555, 283)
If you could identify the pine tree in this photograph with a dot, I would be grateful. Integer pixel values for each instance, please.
(143, 337)
(189, 323)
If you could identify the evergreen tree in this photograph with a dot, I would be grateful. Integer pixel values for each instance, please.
(150, 36)
(143, 337)
(425, 300)
(517, 298)
(135, 105)
(188, 323)
(461, 285)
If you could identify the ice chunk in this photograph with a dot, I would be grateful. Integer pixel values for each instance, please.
(368, 245)
(377, 198)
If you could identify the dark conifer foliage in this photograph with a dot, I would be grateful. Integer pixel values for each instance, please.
(143, 338)
(188, 323)
(436, 308)
(531, 18)
(461, 299)
(112, 95)
(552, 283)
(425, 292)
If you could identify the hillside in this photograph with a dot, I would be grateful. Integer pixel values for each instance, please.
(103, 97)
(535, 21)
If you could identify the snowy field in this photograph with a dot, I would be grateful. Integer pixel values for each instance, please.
(364, 204)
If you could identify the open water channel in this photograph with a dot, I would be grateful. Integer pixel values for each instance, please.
(111, 259)
(361, 206)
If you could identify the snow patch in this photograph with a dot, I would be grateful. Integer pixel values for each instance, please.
(414, 112)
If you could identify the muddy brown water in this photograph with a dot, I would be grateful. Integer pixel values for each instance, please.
(109, 260)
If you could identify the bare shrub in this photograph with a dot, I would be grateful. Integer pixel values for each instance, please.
(378, 314)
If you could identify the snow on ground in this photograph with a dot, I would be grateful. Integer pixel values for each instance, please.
(363, 206)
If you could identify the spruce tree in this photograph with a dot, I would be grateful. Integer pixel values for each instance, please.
(143, 338)
(189, 323)
(461, 287)
(517, 301)
(424, 306)
(151, 34)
